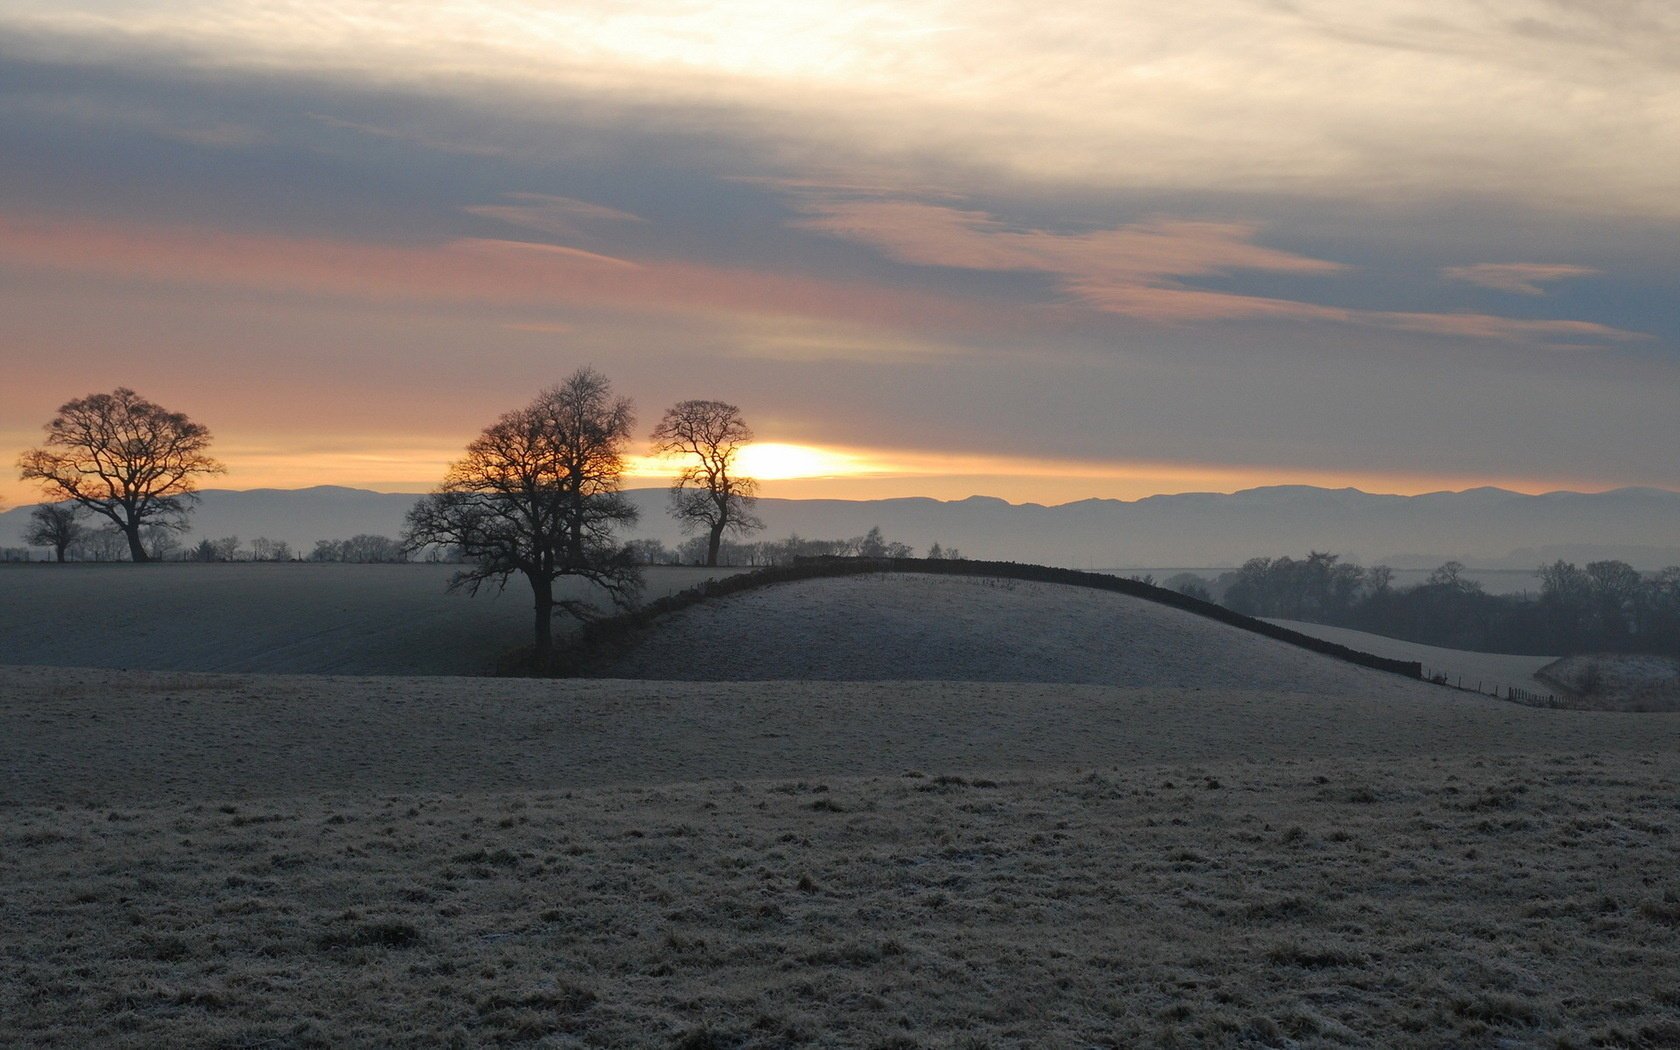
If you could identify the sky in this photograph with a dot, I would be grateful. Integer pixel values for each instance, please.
(1041, 252)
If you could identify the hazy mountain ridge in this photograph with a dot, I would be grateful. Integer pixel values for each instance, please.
(1487, 526)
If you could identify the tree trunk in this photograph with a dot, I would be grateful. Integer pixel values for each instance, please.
(59, 549)
(713, 542)
(136, 549)
(542, 649)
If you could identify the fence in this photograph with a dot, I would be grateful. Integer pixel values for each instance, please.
(1497, 690)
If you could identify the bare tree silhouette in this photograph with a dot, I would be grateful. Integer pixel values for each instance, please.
(125, 458)
(538, 493)
(707, 494)
(55, 525)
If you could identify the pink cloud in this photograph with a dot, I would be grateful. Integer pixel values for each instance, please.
(468, 270)
(933, 235)
(1141, 270)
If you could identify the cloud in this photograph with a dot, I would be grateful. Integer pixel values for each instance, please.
(419, 138)
(935, 235)
(1547, 103)
(463, 270)
(560, 216)
(1520, 278)
(539, 327)
(133, 114)
(1142, 270)
(800, 340)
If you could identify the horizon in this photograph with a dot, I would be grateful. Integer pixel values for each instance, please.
(927, 249)
(768, 492)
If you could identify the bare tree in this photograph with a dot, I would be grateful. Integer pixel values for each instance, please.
(106, 543)
(162, 542)
(125, 458)
(538, 493)
(54, 525)
(707, 495)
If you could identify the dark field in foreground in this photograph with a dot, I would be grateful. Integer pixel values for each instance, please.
(240, 861)
(1511, 902)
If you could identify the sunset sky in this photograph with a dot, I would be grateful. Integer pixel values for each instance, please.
(1037, 251)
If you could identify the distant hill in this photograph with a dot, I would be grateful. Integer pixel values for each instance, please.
(1485, 527)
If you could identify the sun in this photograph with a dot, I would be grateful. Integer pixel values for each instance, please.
(777, 461)
(768, 461)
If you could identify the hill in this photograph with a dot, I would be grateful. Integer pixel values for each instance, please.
(916, 627)
(1490, 528)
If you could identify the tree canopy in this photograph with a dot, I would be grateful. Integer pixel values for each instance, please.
(537, 493)
(125, 458)
(708, 494)
(55, 525)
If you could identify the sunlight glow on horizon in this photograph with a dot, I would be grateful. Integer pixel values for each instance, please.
(795, 470)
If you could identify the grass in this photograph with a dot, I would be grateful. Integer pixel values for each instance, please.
(1521, 901)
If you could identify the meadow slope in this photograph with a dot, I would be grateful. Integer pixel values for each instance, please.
(920, 626)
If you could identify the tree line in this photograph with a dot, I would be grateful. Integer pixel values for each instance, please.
(766, 553)
(1605, 606)
(64, 530)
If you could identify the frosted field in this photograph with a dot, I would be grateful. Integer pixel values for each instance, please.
(909, 626)
(286, 618)
(234, 859)
(1490, 669)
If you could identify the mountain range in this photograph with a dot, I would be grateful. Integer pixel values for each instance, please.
(1484, 527)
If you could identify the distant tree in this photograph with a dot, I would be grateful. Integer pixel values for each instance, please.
(873, 544)
(707, 494)
(936, 552)
(55, 525)
(265, 549)
(1662, 596)
(1451, 576)
(161, 543)
(365, 548)
(204, 551)
(1189, 585)
(103, 544)
(122, 457)
(1379, 579)
(650, 552)
(537, 493)
(1617, 592)
(227, 548)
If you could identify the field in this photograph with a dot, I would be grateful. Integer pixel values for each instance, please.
(1489, 670)
(1618, 681)
(226, 860)
(283, 618)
